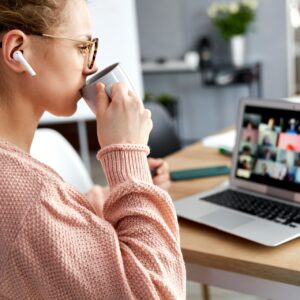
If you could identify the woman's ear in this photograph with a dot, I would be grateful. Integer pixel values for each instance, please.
(12, 41)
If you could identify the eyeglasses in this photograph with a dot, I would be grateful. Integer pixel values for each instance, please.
(87, 48)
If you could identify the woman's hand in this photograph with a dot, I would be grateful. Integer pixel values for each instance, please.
(161, 176)
(123, 120)
(96, 197)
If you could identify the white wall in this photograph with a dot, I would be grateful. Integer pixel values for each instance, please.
(115, 23)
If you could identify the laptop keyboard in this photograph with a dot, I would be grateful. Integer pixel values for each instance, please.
(267, 209)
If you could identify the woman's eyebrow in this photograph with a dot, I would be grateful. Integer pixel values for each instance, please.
(87, 36)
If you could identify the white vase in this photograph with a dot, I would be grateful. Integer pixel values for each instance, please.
(237, 50)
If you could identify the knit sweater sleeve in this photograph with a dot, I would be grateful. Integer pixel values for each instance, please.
(65, 251)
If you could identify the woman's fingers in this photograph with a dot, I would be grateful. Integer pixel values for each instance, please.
(102, 100)
(124, 119)
(161, 170)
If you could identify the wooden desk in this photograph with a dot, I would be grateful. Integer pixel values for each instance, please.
(223, 260)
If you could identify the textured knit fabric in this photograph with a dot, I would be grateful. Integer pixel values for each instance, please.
(54, 246)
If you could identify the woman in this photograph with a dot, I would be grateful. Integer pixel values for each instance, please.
(53, 243)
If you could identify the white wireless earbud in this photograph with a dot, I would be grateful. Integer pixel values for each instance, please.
(18, 56)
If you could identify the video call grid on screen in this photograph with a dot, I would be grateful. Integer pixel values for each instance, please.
(269, 147)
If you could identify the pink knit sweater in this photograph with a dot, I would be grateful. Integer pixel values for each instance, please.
(54, 246)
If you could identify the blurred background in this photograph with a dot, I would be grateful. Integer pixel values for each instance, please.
(171, 29)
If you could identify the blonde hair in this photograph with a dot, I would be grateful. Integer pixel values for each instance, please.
(30, 16)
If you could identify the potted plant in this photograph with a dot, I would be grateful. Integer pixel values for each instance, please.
(149, 97)
(232, 20)
(167, 100)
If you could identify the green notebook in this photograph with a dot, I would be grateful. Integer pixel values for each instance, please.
(199, 172)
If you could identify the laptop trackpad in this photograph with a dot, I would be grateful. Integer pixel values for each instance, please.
(225, 219)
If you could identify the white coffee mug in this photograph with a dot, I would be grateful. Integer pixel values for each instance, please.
(109, 76)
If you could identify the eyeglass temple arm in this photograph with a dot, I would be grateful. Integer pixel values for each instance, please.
(58, 37)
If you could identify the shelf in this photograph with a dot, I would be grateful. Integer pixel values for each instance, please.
(229, 75)
(170, 66)
(216, 76)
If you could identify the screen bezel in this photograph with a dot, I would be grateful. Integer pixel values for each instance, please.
(281, 193)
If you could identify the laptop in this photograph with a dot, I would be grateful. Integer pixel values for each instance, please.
(261, 201)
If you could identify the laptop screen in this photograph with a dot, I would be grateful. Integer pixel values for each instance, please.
(269, 147)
